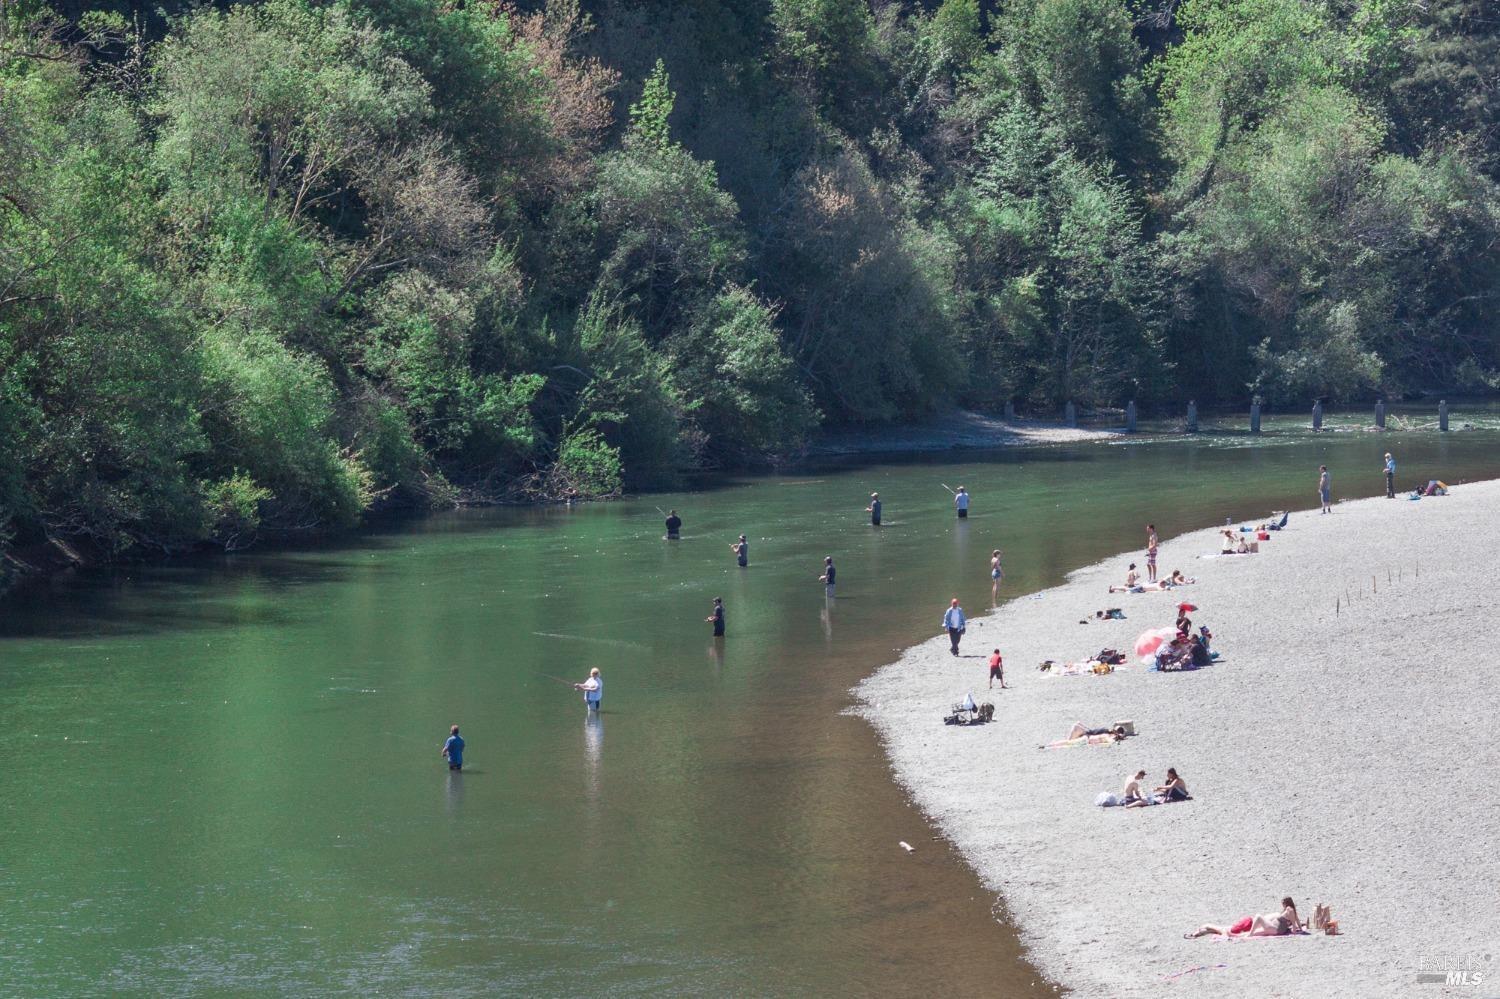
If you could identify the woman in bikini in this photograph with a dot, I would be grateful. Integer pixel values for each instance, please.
(1269, 925)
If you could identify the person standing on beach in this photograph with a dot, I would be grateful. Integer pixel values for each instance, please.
(1390, 476)
(874, 509)
(674, 526)
(593, 689)
(1151, 553)
(997, 573)
(742, 551)
(828, 575)
(997, 669)
(1324, 490)
(453, 749)
(717, 617)
(954, 624)
(961, 503)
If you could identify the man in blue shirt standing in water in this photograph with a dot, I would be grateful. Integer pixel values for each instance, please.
(453, 750)
(874, 509)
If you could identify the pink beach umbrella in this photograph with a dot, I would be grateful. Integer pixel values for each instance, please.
(1150, 641)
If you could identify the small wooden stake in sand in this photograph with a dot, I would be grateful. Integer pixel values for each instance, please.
(1335, 606)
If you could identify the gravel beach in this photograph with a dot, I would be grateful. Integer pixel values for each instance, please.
(1345, 756)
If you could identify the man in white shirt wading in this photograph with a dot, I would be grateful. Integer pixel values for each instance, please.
(593, 689)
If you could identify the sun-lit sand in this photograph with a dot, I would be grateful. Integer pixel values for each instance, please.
(1344, 751)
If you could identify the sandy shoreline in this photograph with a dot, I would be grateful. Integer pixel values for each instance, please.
(1345, 758)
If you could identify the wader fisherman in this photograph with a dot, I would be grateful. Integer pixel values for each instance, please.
(874, 509)
(593, 689)
(717, 617)
(742, 551)
(961, 503)
(453, 750)
(674, 526)
(827, 578)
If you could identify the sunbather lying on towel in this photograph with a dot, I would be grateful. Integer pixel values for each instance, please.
(1275, 924)
(1083, 740)
(1080, 730)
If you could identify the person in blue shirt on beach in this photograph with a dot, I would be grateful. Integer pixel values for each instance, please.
(1390, 476)
(453, 750)
(954, 623)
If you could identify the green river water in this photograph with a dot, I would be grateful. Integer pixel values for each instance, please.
(222, 777)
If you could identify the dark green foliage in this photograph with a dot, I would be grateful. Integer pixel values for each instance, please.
(272, 264)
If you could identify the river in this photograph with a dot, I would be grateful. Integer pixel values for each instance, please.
(223, 775)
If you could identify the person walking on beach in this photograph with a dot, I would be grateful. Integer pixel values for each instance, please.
(954, 623)
(961, 503)
(453, 749)
(742, 551)
(874, 509)
(1151, 553)
(1390, 476)
(997, 669)
(1324, 491)
(674, 526)
(828, 575)
(717, 617)
(593, 689)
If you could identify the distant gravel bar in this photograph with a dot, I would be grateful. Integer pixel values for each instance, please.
(1346, 750)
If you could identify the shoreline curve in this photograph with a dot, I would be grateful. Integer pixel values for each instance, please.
(1339, 753)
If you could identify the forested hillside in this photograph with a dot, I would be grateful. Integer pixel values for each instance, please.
(282, 263)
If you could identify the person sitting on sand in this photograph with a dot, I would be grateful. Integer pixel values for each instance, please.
(1178, 579)
(1241, 546)
(1175, 789)
(1275, 924)
(1172, 655)
(1229, 540)
(1198, 651)
(1132, 790)
(1132, 582)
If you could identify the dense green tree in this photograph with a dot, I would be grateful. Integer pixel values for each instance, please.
(274, 264)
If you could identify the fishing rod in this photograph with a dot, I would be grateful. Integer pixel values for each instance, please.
(558, 679)
(946, 486)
